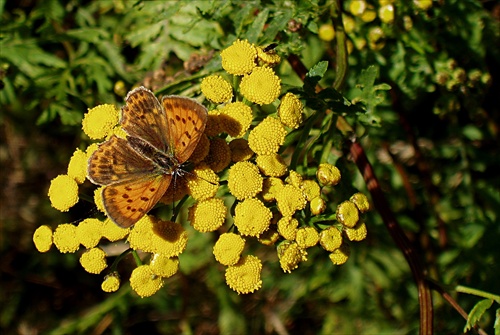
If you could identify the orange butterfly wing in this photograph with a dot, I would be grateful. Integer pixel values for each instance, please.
(186, 119)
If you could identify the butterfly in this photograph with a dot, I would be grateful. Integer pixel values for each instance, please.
(137, 170)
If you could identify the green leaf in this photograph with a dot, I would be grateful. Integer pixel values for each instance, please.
(277, 24)
(314, 76)
(240, 18)
(477, 312)
(257, 25)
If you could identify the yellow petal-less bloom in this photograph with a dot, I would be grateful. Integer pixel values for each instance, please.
(228, 248)
(290, 199)
(118, 131)
(317, 206)
(294, 178)
(290, 255)
(63, 192)
(89, 232)
(140, 237)
(42, 237)
(339, 256)
(328, 174)
(347, 214)
(214, 123)
(270, 188)
(290, 111)
(311, 189)
(244, 180)
(99, 121)
(91, 149)
(169, 238)
(201, 150)
(386, 13)
(240, 150)
(113, 232)
(208, 215)
(236, 118)
(326, 32)
(164, 266)
(262, 86)
(216, 89)
(98, 199)
(239, 58)
(94, 260)
(251, 217)
(358, 233)
(267, 137)
(269, 237)
(77, 167)
(423, 4)
(202, 183)
(144, 282)
(330, 239)
(65, 238)
(269, 58)
(111, 282)
(271, 165)
(219, 155)
(361, 201)
(287, 227)
(307, 237)
(244, 277)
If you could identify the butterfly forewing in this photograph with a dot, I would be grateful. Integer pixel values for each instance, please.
(126, 202)
(144, 117)
(186, 121)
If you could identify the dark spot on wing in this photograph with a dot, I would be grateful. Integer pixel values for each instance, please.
(144, 198)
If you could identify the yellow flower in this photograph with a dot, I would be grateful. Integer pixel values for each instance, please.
(339, 256)
(423, 4)
(219, 155)
(361, 201)
(290, 255)
(177, 190)
(228, 248)
(244, 277)
(287, 227)
(98, 199)
(236, 118)
(89, 232)
(251, 217)
(111, 283)
(42, 237)
(369, 14)
(63, 192)
(202, 183)
(269, 237)
(113, 232)
(386, 13)
(330, 238)
(290, 199)
(77, 167)
(239, 58)
(208, 215)
(214, 123)
(262, 86)
(144, 282)
(307, 237)
(216, 89)
(99, 121)
(244, 180)
(267, 137)
(91, 149)
(270, 188)
(240, 150)
(290, 111)
(294, 178)
(65, 238)
(328, 174)
(311, 189)
(358, 233)
(94, 260)
(317, 206)
(271, 165)
(269, 58)
(201, 150)
(347, 214)
(326, 32)
(164, 266)
(118, 131)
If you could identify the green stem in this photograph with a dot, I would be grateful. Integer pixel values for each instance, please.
(479, 293)
(340, 38)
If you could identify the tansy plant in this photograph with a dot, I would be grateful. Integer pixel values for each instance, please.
(246, 185)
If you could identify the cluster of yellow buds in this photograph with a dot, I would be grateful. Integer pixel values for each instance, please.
(237, 164)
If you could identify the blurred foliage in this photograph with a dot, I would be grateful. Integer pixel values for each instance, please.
(433, 140)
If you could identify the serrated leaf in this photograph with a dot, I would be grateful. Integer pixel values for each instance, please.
(240, 18)
(477, 312)
(318, 70)
(92, 35)
(278, 23)
(257, 25)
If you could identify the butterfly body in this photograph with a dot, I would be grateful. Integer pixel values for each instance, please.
(137, 171)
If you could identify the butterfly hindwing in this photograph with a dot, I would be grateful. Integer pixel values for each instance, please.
(126, 202)
(144, 117)
(186, 120)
